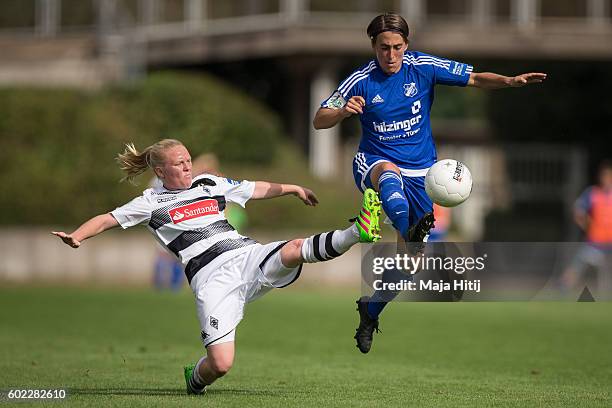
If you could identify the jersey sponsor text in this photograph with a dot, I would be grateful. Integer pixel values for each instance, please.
(407, 124)
(194, 210)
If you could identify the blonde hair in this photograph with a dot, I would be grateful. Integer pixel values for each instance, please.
(134, 163)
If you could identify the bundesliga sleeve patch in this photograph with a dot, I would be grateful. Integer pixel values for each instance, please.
(336, 101)
(458, 68)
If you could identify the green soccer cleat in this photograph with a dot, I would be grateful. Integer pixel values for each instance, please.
(192, 389)
(368, 220)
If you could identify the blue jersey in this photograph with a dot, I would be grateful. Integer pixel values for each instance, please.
(395, 121)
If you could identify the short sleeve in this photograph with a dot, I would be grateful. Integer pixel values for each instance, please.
(335, 101)
(583, 203)
(133, 213)
(445, 71)
(349, 87)
(235, 191)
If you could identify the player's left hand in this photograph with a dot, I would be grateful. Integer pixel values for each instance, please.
(525, 79)
(307, 196)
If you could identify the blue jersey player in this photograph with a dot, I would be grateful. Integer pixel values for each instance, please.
(393, 95)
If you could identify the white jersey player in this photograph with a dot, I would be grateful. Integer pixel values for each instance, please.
(225, 270)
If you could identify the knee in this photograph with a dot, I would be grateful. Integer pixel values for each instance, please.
(291, 254)
(388, 166)
(292, 249)
(379, 169)
(296, 246)
(221, 365)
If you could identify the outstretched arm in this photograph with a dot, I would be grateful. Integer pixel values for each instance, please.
(264, 189)
(90, 228)
(490, 80)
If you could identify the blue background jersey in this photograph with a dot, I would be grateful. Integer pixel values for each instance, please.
(395, 121)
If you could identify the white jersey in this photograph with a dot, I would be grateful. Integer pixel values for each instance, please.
(191, 223)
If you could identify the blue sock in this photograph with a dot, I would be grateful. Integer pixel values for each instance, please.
(380, 298)
(394, 200)
(375, 308)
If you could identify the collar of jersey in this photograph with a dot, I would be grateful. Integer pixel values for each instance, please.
(201, 182)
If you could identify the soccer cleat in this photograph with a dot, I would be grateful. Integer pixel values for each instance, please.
(367, 325)
(418, 232)
(368, 220)
(192, 389)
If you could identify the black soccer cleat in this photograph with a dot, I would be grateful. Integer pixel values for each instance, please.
(367, 325)
(418, 232)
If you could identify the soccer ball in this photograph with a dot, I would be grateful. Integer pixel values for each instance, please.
(448, 183)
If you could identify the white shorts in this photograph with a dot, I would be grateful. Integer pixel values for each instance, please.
(222, 296)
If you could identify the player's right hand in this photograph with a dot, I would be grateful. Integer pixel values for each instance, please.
(67, 238)
(354, 106)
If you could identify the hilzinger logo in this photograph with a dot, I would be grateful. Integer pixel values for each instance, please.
(407, 124)
(194, 210)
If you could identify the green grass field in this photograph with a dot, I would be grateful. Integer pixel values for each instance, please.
(295, 348)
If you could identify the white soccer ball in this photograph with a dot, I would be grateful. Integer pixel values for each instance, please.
(448, 183)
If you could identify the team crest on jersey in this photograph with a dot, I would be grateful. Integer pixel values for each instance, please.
(194, 210)
(214, 322)
(410, 89)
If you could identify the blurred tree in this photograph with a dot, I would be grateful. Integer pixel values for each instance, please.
(58, 146)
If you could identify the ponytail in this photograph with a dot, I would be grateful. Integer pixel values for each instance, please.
(134, 163)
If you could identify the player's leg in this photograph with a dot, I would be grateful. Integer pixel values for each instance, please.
(215, 364)
(419, 220)
(220, 302)
(380, 174)
(586, 257)
(386, 178)
(329, 245)
(421, 213)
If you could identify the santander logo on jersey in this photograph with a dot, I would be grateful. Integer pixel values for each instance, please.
(194, 210)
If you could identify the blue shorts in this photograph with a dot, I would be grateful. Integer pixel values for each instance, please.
(413, 181)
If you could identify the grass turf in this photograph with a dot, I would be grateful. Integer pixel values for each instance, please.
(295, 348)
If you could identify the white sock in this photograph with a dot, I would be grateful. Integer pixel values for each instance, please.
(199, 382)
(343, 240)
(329, 245)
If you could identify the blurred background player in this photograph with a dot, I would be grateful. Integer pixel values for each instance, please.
(593, 214)
(168, 270)
(393, 95)
(443, 218)
(225, 269)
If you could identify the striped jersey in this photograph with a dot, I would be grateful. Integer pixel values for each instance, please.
(395, 121)
(191, 223)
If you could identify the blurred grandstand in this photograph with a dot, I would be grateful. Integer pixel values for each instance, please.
(530, 154)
